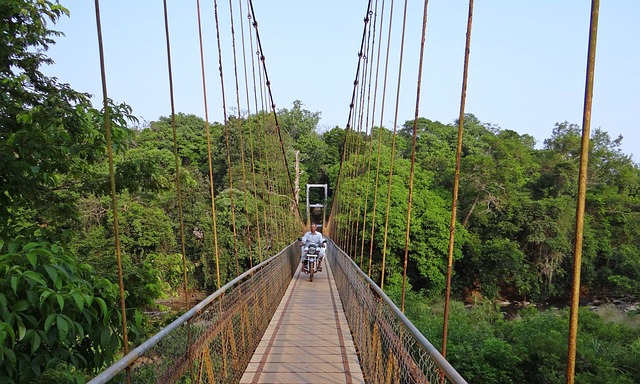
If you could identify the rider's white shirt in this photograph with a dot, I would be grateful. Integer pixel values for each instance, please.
(313, 238)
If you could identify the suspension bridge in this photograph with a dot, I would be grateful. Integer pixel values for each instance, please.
(270, 324)
(265, 327)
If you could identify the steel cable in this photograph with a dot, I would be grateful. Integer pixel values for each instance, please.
(413, 155)
(226, 140)
(209, 156)
(380, 130)
(249, 127)
(393, 149)
(273, 108)
(582, 191)
(112, 181)
(176, 156)
(456, 180)
(177, 167)
(240, 134)
(370, 131)
(351, 107)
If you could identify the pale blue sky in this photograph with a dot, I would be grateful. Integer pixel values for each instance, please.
(527, 65)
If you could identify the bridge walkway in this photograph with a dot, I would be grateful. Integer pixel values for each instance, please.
(308, 339)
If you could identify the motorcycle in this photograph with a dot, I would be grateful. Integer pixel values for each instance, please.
(309, 259)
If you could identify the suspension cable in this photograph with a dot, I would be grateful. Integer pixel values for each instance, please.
(413, 155)
(393, 149)
(240, 134)
(257, 88)
(582, 191)
(177, 166)
(380, 130)
(226, 141)
(241, 144)
(366, 155)
(209, 156)
(266, 171)
(349, 141)
(359, 159)
(351, 105)
(370, 131)
(112, 183)
(456, 180)
(176, 157)
(273, 108)
(249, 126)
(352, 153)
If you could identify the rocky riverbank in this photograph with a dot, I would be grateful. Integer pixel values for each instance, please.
(622, 304)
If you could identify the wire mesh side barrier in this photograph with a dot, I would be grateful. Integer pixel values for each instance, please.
(390, 347)
(214, 340)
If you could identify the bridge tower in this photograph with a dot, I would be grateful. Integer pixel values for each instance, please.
(316, 204)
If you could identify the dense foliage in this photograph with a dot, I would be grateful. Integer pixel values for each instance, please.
(516, 211)
(56, 317)
(484, 347)
(58, 320)
(514, 240)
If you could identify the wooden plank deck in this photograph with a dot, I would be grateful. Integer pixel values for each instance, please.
(308, 339)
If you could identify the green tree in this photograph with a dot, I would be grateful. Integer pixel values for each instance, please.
(148, 246)
(47, 129)
(298, 122)
(56, 316)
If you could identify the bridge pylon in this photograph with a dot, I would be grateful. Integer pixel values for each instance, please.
(317, 205)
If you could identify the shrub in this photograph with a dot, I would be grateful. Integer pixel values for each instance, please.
(53, 313)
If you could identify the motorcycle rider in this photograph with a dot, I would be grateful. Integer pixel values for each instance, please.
(313, 236)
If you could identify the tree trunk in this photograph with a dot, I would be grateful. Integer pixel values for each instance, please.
(473, 207)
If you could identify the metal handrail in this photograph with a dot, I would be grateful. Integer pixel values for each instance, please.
(274, 264)
(385, 333)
